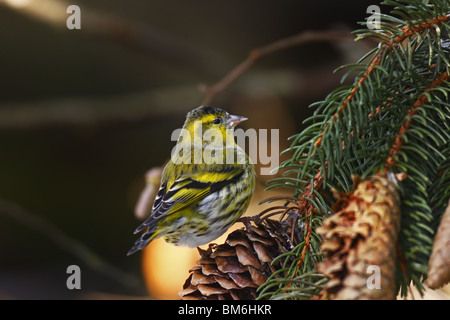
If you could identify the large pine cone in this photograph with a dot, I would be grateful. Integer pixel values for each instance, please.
(439, 264)
(361, 237)
(235, 269)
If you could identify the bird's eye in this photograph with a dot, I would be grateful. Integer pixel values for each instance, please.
(217, 121)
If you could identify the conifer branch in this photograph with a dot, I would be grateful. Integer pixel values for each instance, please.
(305, 247)
(407, 31)
(394, 121)
(375, 62)
(390, 161)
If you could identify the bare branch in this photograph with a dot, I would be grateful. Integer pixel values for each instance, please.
(69, 244)
(279, 45)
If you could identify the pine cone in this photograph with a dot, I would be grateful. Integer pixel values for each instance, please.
(439, 264)
(235, 269)
(360, 239)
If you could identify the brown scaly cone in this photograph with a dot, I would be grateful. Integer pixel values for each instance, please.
(439, 263)
(235, 269)
(362, 233)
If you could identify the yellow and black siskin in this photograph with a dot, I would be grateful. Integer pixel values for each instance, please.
(206, 186)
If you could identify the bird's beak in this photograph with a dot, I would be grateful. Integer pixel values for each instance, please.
(233, 121)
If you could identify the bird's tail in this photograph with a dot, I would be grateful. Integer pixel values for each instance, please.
(143, 241)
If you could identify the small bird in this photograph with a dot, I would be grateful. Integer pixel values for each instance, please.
(205, 187)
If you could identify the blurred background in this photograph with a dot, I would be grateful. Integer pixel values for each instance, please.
(84, 114)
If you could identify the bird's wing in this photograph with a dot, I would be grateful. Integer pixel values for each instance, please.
(189, 188)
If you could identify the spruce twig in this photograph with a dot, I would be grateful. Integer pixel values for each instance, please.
(394, 119)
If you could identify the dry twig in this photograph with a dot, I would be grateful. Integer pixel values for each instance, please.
(279, 45)
(71, 245)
